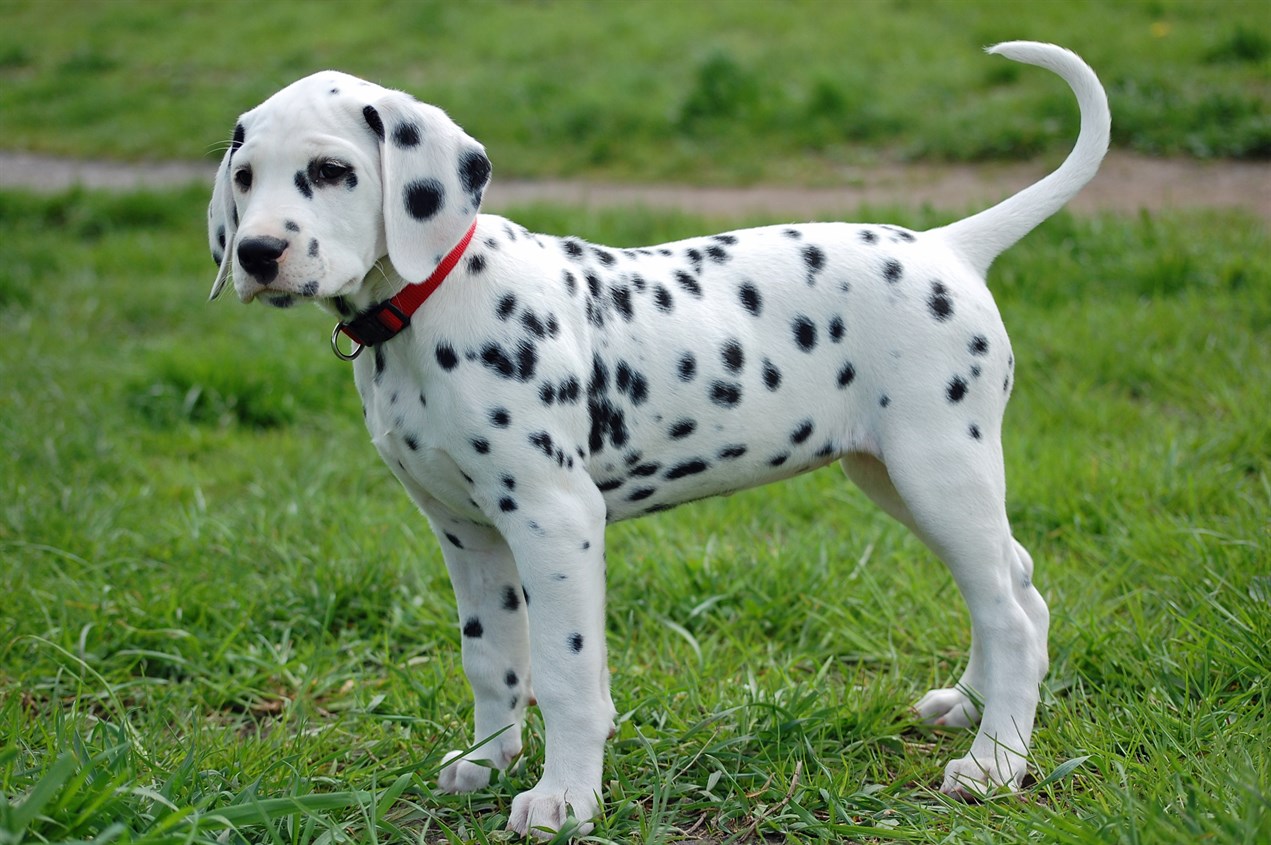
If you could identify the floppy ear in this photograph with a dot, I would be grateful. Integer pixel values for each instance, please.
(434, 176)
(222, 216)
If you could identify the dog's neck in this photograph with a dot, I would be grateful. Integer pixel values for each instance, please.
(393, 300)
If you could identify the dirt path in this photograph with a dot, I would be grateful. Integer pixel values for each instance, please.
(1126, 182)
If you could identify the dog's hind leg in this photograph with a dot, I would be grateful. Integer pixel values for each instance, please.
(951, 493)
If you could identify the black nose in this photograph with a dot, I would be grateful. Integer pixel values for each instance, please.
(259, 256)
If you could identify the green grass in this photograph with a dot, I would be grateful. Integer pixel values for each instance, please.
(703, 91)
(221, 613)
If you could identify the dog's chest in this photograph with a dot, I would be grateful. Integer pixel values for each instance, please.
(407, 432)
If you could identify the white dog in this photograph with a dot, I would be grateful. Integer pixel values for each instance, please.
(550, 386)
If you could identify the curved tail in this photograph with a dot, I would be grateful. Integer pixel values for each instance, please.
(983, 237)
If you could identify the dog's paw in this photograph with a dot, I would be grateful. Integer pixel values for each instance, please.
(460, 775)
(544, 811)
(950, 708)
(970, 779)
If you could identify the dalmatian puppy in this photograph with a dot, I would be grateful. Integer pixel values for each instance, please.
(548, 386)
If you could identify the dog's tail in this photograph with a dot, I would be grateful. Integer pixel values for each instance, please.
(983, 237)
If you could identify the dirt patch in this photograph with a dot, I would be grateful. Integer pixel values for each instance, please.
(1126, 183)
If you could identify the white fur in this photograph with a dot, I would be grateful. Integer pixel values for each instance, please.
(551, 386)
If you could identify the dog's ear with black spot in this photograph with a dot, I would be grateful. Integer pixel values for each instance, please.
(434, 176)
(222, 214)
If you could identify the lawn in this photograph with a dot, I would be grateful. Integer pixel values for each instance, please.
(221, 614)
(223, 621)
(718, 91)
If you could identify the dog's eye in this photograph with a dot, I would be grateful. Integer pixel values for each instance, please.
(333, 171)
(243, 177)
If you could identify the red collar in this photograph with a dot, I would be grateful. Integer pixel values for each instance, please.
(387, 319)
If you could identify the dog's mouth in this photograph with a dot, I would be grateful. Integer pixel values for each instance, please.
(280, 297)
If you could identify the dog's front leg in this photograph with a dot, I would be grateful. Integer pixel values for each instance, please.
(496, 655)
(557, 536)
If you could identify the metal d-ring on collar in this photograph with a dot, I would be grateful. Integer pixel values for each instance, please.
(335, 345)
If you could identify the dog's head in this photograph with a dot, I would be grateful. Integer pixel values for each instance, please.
(331, 175)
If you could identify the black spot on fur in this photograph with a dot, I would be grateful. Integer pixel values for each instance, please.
(454, 541)
(609, 486)
(692, 467)
(778, 460)
(804, 333)
(979, 345)
(621, 297)
(687, 367)
(641, 494)
(975, 432)
(814, 257)
(837, 329)
(939, 303)
(689, 284)
(957, 389)
(682, 428)
(542, 441)
(575, 643)
(506, 306)
(892, 271)
(662, 299)
(726, 394)
(500, 417)
(240, 135)
(474, 172)
(802, 433)
(372, 118)
(771, 375)
(730, 452)
(481, 445)
(532, 324)
(868, 237)
(473, 628)
(750, 298)
(569, 391)
(511, 601)
(510, 679)
(507, 504)
(424, 198)
(303, 185)
(406, 135)
(847, 374)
